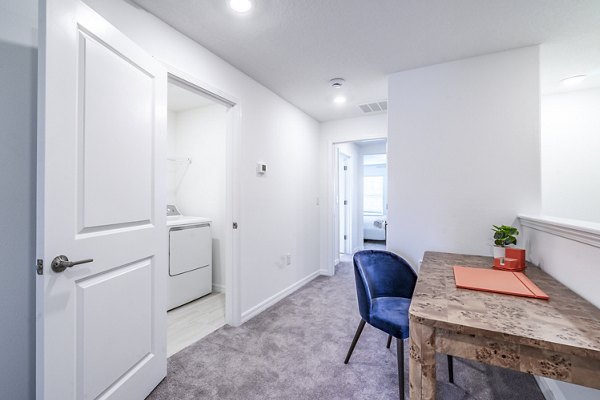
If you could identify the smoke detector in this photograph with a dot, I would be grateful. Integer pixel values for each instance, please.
(336, 83)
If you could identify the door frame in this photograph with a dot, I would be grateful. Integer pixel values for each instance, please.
(331, 246)
(233, 309)
(348, 220)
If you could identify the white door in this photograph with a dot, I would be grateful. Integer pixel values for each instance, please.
(101, 325)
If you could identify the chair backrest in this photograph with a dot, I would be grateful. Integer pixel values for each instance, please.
(381, 273)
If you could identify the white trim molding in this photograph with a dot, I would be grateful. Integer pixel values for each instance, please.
(217, 287)
(262, 306)
(579, 231)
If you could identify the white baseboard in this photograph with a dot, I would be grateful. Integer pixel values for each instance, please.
(336, 261)
(325, 272)
(217, 287)
(262, 306)
(549, 388)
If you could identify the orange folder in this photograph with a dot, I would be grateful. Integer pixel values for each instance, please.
(505, 282)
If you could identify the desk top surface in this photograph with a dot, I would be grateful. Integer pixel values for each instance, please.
(566, 322)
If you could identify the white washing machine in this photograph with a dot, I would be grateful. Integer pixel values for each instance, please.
(190, 258)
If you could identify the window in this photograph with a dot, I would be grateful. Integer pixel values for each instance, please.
(373, 202)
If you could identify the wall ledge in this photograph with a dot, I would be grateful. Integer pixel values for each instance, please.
(579, 231)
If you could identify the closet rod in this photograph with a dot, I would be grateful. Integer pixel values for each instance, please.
(181, 160)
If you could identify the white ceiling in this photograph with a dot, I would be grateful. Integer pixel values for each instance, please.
(295, 46)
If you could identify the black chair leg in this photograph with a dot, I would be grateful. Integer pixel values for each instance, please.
(400, 355)
(450, 369)
(389, 343)
(361, 325)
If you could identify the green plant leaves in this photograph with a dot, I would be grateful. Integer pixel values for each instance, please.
(505, 235)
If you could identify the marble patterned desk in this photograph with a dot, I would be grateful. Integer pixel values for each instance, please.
(558, 339)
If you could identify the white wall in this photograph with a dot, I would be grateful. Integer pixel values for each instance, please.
(174, 172)
(338, 131)
(18, 101)
(278, 212)
(574, 264)
(570, 189)
(199, 188)
(377, 147)
(463, 151)
(570, 155)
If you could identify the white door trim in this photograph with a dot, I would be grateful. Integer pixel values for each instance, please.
(344, 247)
(233, 309)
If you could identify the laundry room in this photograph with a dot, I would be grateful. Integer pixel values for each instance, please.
(196, 213)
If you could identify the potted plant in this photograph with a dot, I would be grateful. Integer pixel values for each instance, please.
(504, 235)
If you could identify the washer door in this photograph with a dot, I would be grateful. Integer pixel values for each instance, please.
(189, 249)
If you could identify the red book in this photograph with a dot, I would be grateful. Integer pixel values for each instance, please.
(505, 282)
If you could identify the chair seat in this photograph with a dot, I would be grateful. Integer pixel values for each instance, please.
(390, 314)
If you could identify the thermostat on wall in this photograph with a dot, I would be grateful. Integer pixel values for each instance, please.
(261, 168)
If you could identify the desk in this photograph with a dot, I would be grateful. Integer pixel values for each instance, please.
(558, 339)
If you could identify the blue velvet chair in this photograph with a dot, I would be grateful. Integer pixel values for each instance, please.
(385, 284)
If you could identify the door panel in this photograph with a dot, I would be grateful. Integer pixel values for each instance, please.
(101, 326)
(113, 336)
(116, 147)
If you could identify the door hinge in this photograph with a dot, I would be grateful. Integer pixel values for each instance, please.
(39, 266)
(345, 168)
(345, 202)
(345, 237)
(235, 225)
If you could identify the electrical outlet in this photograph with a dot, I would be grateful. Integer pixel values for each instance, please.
(288, 259)
(261, 168)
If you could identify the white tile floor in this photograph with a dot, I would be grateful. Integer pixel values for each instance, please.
(191, 322)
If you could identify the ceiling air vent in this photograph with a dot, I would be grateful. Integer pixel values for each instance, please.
(379, 106)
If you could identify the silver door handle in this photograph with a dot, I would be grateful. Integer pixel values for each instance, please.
(60, 263)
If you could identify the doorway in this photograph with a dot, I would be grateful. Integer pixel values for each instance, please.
(201, 127)
(374, 195)
(360, 193)
(196, 190)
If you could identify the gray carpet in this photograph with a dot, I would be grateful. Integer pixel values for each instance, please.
(295, 350)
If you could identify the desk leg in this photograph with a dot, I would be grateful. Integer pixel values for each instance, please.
(422, 362)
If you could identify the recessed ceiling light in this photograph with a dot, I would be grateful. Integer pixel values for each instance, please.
(339, 100)
(573, 80)
(241, 6)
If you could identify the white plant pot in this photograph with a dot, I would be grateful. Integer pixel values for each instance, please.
(499, 252)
